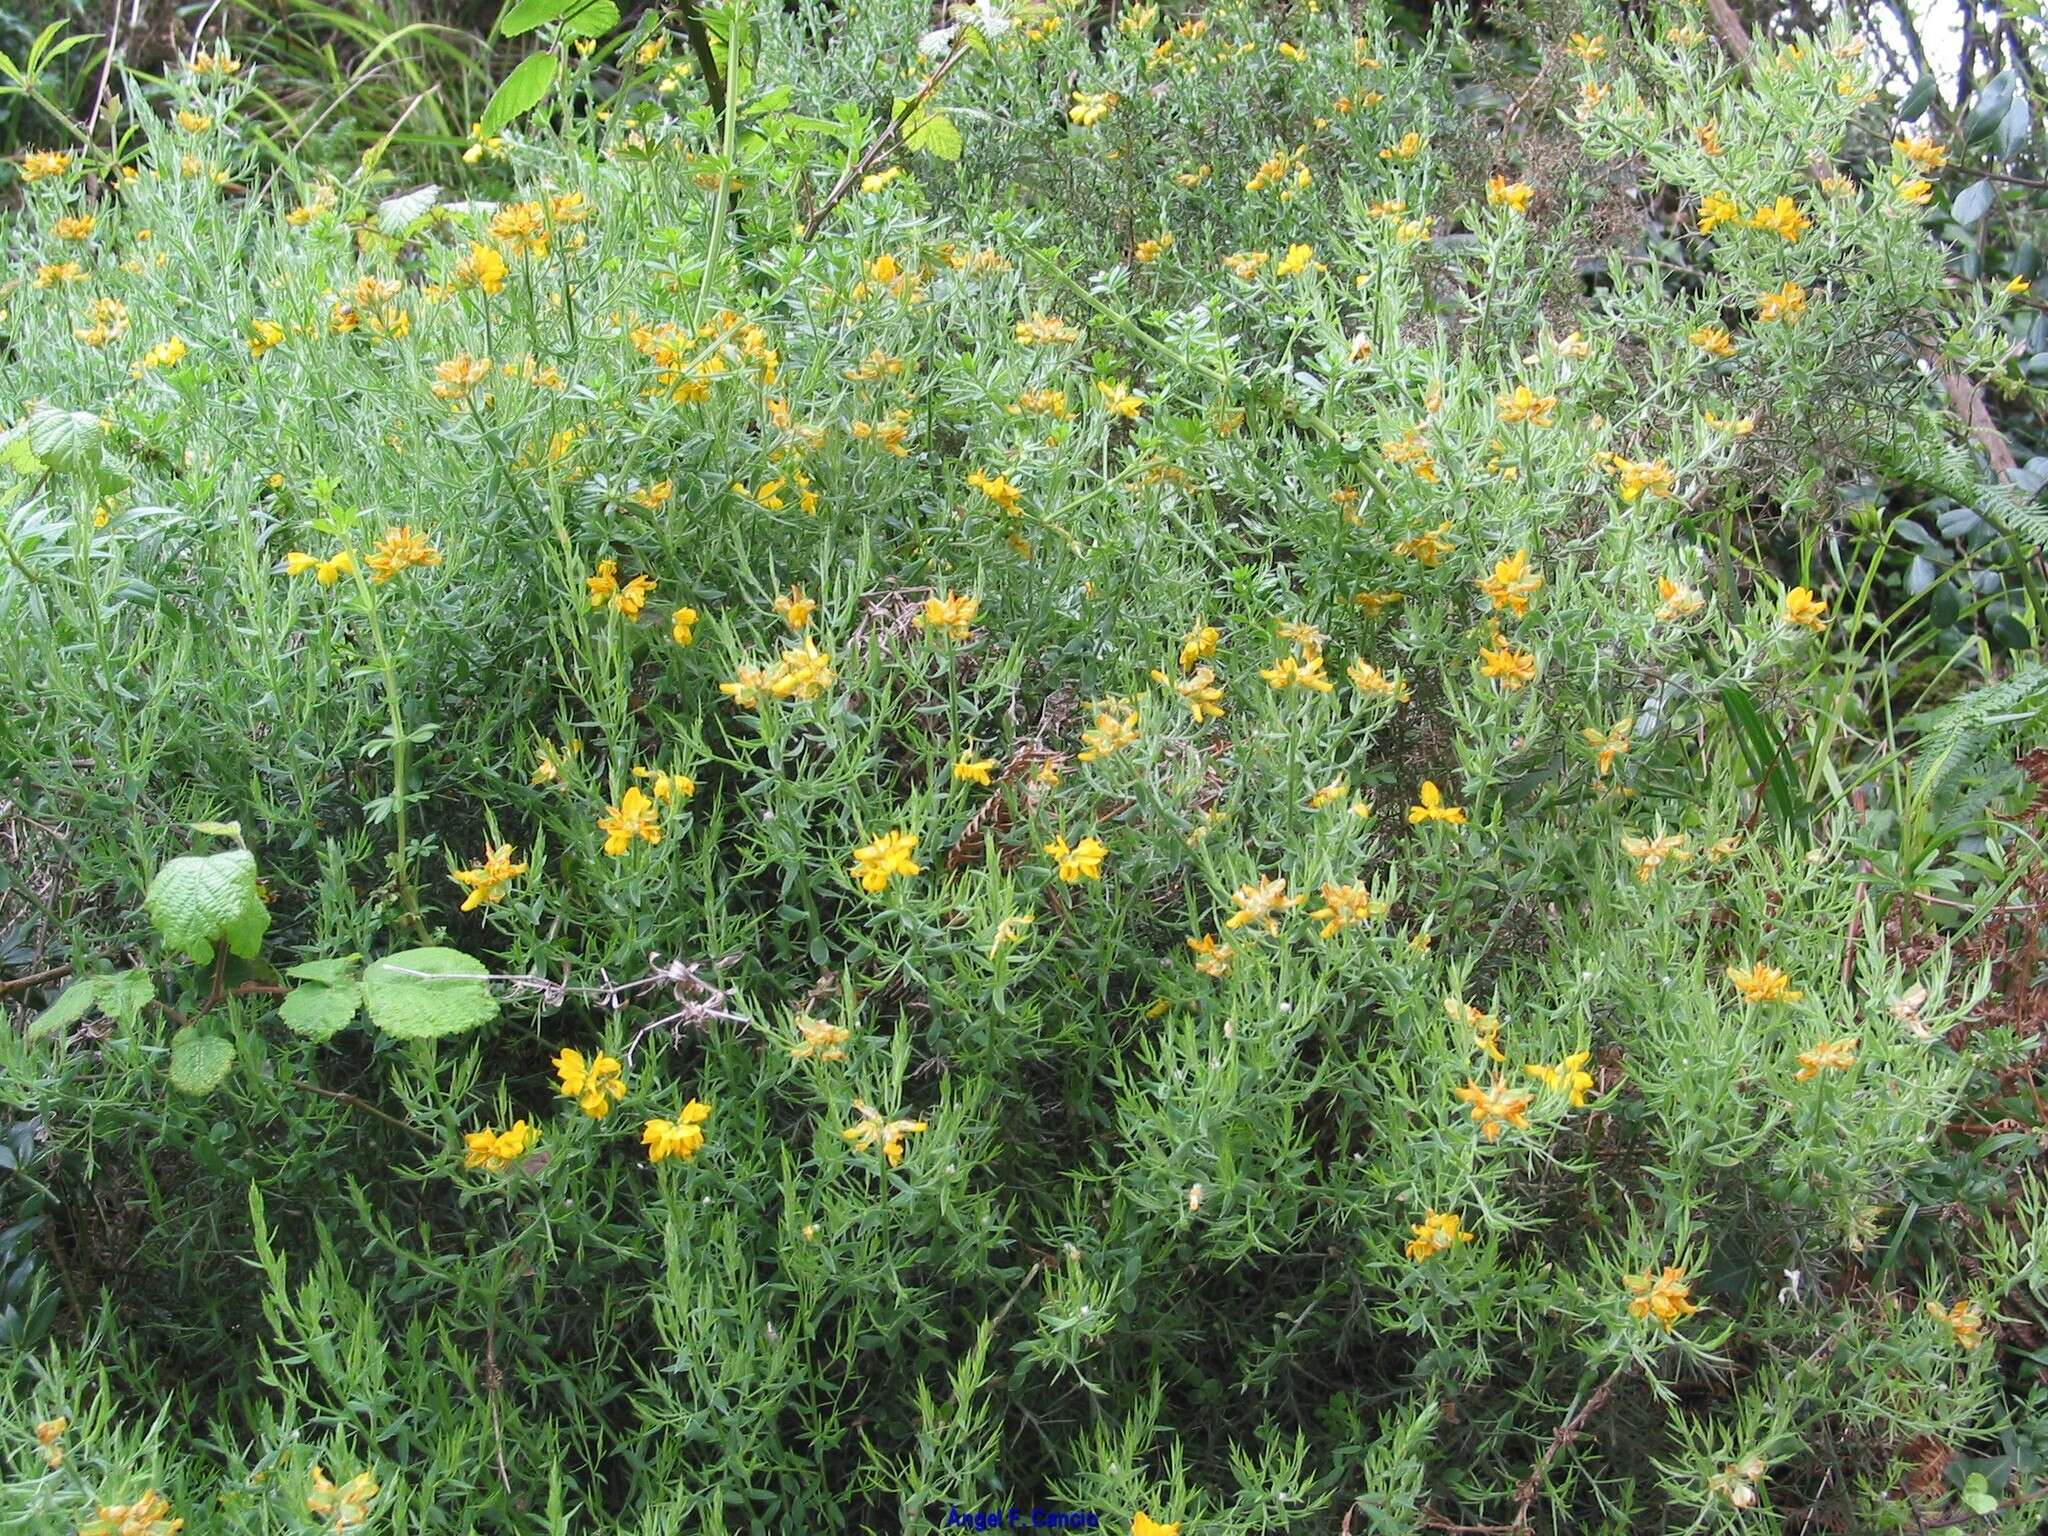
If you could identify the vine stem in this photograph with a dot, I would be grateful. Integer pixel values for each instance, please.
(401, 753)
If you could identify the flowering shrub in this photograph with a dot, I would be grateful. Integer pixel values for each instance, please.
(1160, 781)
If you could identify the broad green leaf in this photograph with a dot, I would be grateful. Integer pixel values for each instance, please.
(73, 1004)
(931, 131)
(199, 1063)
(1972, 203)
(524, 15)
(418, 994)
(1917, 99)
(197, 900)
(593, 18)
(521, 92)
(231, 829)
(124, 996)
(330, 973)
(66, 439)
(1991, 108)
(320, 1012)
(18, 454)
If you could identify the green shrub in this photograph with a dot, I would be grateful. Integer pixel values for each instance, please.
(715, 880)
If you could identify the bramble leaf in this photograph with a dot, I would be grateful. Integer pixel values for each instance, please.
(197, 900)
(419, 994)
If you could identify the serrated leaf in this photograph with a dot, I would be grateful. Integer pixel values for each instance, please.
(219, 829)
(72, 1004)
(18, 454)
(200, 1063)
(329, 973)
(1972, 203)
(320, 1012)
(593, 18)
(198, 900)
(123, 997)
(395, 215)
(931, 131)
(66, 439)
(524, 15)
(420, 994)
(521, 91)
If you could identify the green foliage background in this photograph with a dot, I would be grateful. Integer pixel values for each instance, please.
(1150, 1251)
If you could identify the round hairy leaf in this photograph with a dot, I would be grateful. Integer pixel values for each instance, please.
(418, 994)
(196, 900)
(72, 1004)
(199, 1063)
(318, 1012)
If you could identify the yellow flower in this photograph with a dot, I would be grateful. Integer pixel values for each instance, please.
(1043, 330)
(494, 1151)
(489, 880)
(1330, 794)
(263, 335)
(458, 375)
(1567, 1077)
(872, 1131)
(1245, 265)
(875, 181)
(167, 353)
(794, 608)
(1609, 744)
(1428, 547)
(1496, 1108)
(1212, 956)
(1296, 259)
(1484, 1026)
(1676, 601)
(1737, 1482)
(522, 228)
(1665, 1298)
(1512, 583)
(1804, 611)
(1713, 340)
(1709, 136)
(40, 163)
(1115, 728)
(400, 549)
(1922, 151)
(1373, 683)
(1262, 901)
(1762, 983)
(952, 615)
(595, 1084)
(1512, 195)
(147, 1516)
(1198, 690)
(998, 489)
(1829, 1055)
(1344, 905)
(1437, 1232)
(1788, 303)
(1143, 1524)
(1587, 49)
(1963, 1321)
(1407, 147)
(1090, 107)
(887, 858)
(1641, 477)
(969, 769)
(483, 269)
(1914, 191)
(1009, 931)
(1652, 853)
(1522, 404)
(818, 1040)
(1151, 250)
(50, 1438)
(1514, 670)
(681, 1137)
(1782, 218)
(667, 787)
(682, 627)
(1083, 861)
(634, 816)
(1716, 209)
(1430, 807)
(1120, 401)
(74, 226)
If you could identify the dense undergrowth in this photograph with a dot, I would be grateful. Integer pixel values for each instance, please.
(1219, 804)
